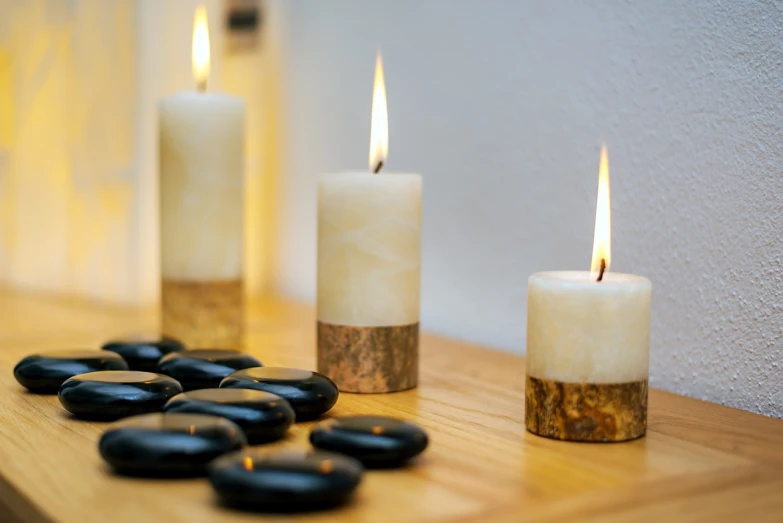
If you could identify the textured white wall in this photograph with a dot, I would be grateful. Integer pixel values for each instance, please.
(502, 107)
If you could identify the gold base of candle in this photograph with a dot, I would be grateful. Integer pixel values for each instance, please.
(598, 412)
(369, 359)
(203, 314)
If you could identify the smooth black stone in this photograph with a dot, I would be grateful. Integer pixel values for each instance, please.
(113, 394)
(204, 368)
(310, 394)
(45, 372)
(143, 353)
(161, 445)
(284, 481)
(376, 441)
(262, 416)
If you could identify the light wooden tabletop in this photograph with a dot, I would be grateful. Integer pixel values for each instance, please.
(698, 462)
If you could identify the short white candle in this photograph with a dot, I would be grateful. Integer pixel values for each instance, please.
(201, 210)
(588, 345)
(583, 331)
(369, 255)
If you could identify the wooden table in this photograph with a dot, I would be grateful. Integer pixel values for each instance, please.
(698, 462)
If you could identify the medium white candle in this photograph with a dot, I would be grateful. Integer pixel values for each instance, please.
(201, 210)
(588, 345)
(369, 255)
(369, 249)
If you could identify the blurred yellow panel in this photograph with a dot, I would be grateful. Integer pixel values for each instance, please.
(6, 107)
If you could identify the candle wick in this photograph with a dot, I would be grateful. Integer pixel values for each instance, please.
(378, 167)
(601, 271)
(201, 85)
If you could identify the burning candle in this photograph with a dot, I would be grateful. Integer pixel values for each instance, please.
(369, 237)
(201, 209)
(588, 341)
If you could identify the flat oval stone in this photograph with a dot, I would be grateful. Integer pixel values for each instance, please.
(143, 352)
(310, 394)
(376, 441)
(113, 394)
(168, 444)
(204, 368)
(262, 416)
(45, 372)
(284, 481)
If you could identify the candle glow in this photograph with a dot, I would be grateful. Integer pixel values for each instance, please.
(602, 239)
(200, 49)
(379, 121)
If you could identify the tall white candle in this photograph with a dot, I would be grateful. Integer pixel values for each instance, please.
(588, 344)
(369, 255)
(201, 186)
(201, 211)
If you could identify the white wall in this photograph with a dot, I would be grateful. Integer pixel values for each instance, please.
(502, 106)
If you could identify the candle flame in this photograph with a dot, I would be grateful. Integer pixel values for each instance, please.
(602, 240)
(200, 51)
(379, 122)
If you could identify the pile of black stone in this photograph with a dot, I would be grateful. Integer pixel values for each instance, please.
(195, 412)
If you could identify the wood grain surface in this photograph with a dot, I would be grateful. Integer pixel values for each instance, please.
(698, 461)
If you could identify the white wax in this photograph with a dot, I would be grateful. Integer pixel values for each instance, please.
(201, 186)
(583, 331)
(369, 248)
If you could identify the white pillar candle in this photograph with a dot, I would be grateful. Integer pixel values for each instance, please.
(201, 214)
(588, 344)
(369, 255)
(583, 331)
(369, 249)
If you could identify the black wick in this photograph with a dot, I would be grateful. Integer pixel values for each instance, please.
(601, 272)
(378, 167)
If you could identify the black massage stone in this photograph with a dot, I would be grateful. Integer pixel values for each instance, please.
(284, 481)
(376, 441)
(310, 394)
(112, 394)
(204, 368)
(168, 445)
(143, 352)
(45, 372)
(262, 416)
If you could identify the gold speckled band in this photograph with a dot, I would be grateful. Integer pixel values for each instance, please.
(586, 411)
(369, 359)
(203, 314)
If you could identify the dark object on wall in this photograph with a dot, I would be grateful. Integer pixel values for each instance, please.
(244, 21)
